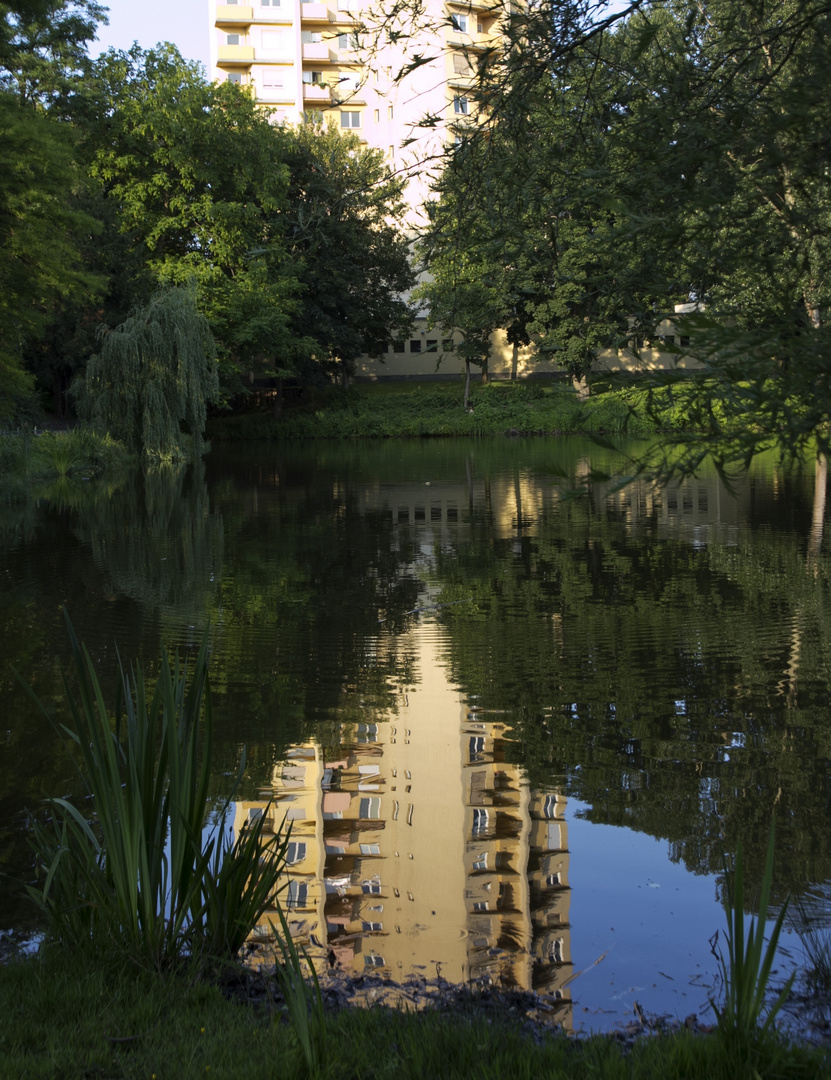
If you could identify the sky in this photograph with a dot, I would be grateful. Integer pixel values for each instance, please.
(182, 22)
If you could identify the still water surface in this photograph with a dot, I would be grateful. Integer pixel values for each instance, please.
(516, 733)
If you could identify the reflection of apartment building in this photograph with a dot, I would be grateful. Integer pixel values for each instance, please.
(418, 850)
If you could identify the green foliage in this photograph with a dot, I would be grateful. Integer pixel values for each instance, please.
(344, 235)
(40, 266)
(138, 877)
(156, 372)
(747, 968)
(303, 1000)
(77, 1016)
(79, 448)
(430, 410)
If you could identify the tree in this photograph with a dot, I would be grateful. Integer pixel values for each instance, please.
(198, 176)
(351, 257)
(42, 226)
(43, 47)
(40, 231)
(154, 377)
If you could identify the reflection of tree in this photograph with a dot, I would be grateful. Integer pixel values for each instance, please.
(311, 574)
(678, 687)
(159, 543)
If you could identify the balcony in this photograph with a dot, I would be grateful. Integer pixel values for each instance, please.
(484, 7)
(316, 93)
(235, 14)
(314, 13)
(317, 50)
(235, 54)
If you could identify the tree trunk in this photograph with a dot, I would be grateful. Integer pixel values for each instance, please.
(514, 361)
(467, 383)
(345, 377)
(818, 519)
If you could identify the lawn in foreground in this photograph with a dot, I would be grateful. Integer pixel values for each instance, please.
(72, 1015)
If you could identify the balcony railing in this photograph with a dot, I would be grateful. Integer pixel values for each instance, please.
(317, 50)
(234, 13)
(235, 54)
(316, 92)
(314, 13)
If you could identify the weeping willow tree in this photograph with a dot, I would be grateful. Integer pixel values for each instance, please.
(151, 382)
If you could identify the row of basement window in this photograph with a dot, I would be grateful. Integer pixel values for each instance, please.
(417, 345)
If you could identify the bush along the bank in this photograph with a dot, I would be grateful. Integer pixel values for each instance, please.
(391, 411)
(30, 457)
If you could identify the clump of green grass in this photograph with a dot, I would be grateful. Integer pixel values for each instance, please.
(746, 969)
(133, 874)
(76, 1016)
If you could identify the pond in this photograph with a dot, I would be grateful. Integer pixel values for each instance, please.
(516, 733)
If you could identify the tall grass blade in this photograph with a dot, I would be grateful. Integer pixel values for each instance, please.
(138, 876)
(747, 967)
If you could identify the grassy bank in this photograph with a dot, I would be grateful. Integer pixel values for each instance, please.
(30, 458)
(388, 410)
(68, 1015)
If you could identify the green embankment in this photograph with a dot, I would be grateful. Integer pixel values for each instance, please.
(69, 1016)
(388, 410)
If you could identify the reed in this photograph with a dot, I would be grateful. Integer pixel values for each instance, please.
(303, 999)
(746, 969)
(135, 874)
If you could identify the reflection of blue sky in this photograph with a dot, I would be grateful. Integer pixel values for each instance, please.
(651, 917)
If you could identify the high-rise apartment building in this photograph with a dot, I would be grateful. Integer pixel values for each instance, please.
(300, 57)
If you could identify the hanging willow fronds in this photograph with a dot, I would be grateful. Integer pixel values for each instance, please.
(155, 374)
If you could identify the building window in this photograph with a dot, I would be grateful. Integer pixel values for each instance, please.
(348, 42)
(276, 42)
(431, 345)
(296, 894)
(480, 905)
(273, 80)
(371, 888)
(368, 733)
(447, 345)
(234, 77)
(549, 809)
(389, 112)
(309, 37)
(459, 23)
(268, 3)
(373, 961)
(460, 105)
(295, 852)
(370, 807)
(399, 346)
(415, 345)
(372, 927)
(350, 118)
(232, 39)
(481, 861)
(480, 821)
(461, 64)
(476, 747)
(377, 116)
(370, 849)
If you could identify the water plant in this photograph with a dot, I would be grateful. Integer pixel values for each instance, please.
(747, 967)
(302, 997)
(136, 874)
